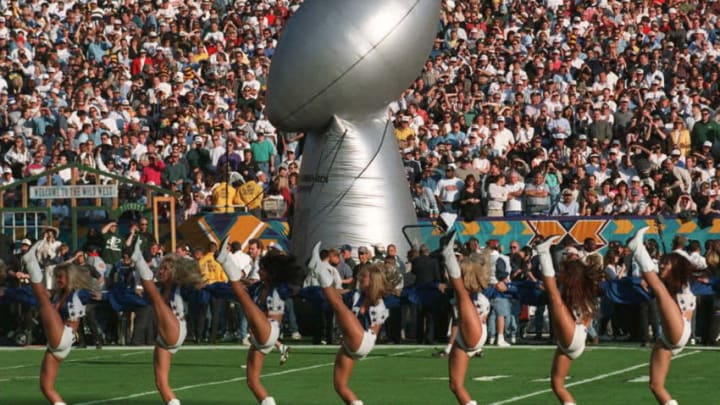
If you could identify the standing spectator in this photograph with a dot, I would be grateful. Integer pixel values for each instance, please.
(263, 152)
(112, 249)
(470, 203)
(705, 130)
(243, 262)
(346, 256)
(140, 233)
(568, 206)
(448, 191)
(198, 157)
(152, 171)
(427, 275)
(497, 196)
(211, 272)
(424, 201)
(537, 195)
(515, 190)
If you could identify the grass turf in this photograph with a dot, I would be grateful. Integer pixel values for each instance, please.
(390, 375)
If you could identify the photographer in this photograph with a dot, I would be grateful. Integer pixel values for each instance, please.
(90, 321)
(140, 233)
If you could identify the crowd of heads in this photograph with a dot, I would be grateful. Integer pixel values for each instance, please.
(611, 104)
(165, 93)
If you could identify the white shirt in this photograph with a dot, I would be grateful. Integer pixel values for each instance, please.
(514, 204)
(497, 195)
(503, 139)
(242, 261)
(448, 190)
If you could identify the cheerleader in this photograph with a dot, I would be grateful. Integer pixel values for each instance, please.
(173, 273)
(676, 303)
(571, 309)
(360, 324)
(264, 306)
(468, 278)
(60, 314)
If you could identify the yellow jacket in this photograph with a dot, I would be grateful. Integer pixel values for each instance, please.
(249, 195)
(223, 195)
(211, 270)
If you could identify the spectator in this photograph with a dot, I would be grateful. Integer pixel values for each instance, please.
(112, 248)
(568, 206)
(537, 195)
(515, 190)
(448, 191)
(470, 202)
(424, 201)
(497, 196)
(427, 274)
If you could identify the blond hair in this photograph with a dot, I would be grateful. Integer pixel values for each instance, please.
(183, 271)
(379, 286)
(77, 278)
(476, 271)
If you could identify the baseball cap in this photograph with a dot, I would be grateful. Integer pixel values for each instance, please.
(345, 248)
(708, 144)
(197, 139)
(26, 241)
(363, 249)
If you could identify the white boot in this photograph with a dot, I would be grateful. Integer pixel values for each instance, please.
(268, 401)
(569, 403)
(174, 401)
(222, 255)
(451, 263)
(356, 402)
(231, 270)
(640, 253)
(324, 275)
(141, 265)
(315, 256)
(32, 265)
(671, 402)
(59, 403)
(471, 403)
(543, 252)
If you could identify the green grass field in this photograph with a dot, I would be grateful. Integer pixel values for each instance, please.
(390, 375)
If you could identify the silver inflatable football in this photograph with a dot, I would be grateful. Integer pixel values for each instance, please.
(338, 65)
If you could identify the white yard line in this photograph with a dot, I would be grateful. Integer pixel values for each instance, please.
(20, 377)
(74, 360)
(587, 380)
(236, 379)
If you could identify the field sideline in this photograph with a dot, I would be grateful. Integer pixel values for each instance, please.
(392, 374)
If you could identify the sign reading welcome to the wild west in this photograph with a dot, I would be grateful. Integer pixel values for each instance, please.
(84, 191)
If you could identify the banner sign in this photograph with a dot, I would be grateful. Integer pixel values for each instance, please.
(86, 191)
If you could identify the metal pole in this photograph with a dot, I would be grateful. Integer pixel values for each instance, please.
(227, 174)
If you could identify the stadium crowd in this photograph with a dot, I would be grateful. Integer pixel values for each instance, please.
(552, 107)
(523, 108)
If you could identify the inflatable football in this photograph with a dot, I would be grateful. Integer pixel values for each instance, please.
(348, 58)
